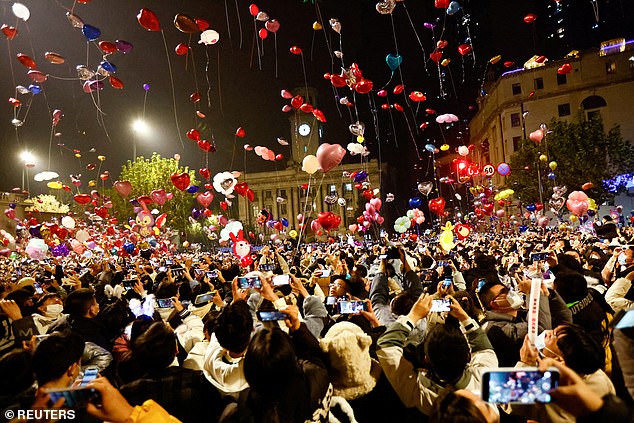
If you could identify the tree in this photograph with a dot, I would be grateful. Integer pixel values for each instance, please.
(147, 175)
(583, 152)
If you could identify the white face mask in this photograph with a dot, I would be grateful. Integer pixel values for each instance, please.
(540, 341)
(622, 259)
(53, 310)
(515, 300)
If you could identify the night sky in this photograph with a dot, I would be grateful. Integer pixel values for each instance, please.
(242, 95)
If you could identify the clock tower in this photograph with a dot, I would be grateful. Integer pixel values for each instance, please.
(305, 129)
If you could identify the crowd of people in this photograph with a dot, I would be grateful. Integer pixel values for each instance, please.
(391, 330)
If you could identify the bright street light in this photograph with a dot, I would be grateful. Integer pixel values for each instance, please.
(140, 126)
(27, 157)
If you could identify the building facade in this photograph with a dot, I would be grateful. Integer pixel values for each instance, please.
(290, 192)
(600, 82)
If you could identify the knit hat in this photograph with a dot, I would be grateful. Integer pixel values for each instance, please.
(353, 372)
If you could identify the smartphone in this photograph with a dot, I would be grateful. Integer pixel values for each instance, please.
(351, 307)
(279, 280)
(164, 302)
(325, 273)
(245, 282)
(442, 263)
(75, 397)
(199, 271)
(523, 386)
(625, 320)
(481, 283)
(382, 256)
(331, 301)
(212, 274)
(168, 262)
(268, 316)
(204, 298)
(162, 269)
(541, 256)
(128, 284)
(38, 288)
(446, 283)
(90, 374)
(177, 271)
(267, 267)
(439, 306)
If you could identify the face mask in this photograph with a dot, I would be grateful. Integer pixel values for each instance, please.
(622, 259)
(515, 300)
(540, 341)
(53, 310)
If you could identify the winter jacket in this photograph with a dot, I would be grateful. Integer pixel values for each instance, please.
(380, 295)
(226, 374)
(414, 387)
(615, 296)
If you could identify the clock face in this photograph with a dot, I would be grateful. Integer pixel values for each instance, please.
(304, 129)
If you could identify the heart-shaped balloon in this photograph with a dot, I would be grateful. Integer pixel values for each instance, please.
(536, 136)
(441, 4)
(435, 55)
(204, 172)
(564, 69)
(385, 7)
(559, 191)
(241, 188)
(488, 209)
(180, 180)
(204, 145)
(205, 198)
(185, 24)
(393, 61)
(148, 20)
(556, 204)
(82, 199)
(124, 188)
(437, 206)
(272, 25)
(159, 196)
(329, 156)
(193, 134)
(357, 129)
(101, 211)
(376, 203)
(425, 187)
(9, 31)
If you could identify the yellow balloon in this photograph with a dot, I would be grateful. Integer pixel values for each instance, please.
(573, 218)
(444, 147)
(54, 185)
(92, 183)
(445, 62)
(446, 240)
(543, 158)
(317, 26)
(552, 165)
(101, 158)
(292, 233)
(563, 226)
(495, 59)
(592, 205)
(360, 139)
(78, 155)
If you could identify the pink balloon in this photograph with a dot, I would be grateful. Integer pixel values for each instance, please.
(169, 195)
(500, 213)
(537, 136)
(159, 196)
(286, 108)
(329, 156)
(543, 221)
(369, 208)
(381, 219)
(223, 220)
(300, 218)
(353, 227)
(286, 94)
(376, 203)
(124, 188)
(577, 202)
(315, 226)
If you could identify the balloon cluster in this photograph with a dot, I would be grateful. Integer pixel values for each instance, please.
(297, 102)
(351, 77)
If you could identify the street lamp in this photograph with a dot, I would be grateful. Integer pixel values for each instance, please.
(29, 163)
(140, 127)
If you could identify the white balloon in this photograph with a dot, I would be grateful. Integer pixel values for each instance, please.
(209, 37)
(21, 11)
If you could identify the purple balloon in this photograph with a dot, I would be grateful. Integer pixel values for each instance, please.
(135, 202)
(361, 176)
(35, 231)
(192, 189)
(12, 205)
(196, 214)
(95, 85)
(123, 46)
(429, 25)
(60, 250)
(146, 87)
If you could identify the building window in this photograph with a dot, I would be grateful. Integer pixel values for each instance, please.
(283, 210)
(562, 79)
(610, 67)
(539, 83)
(594, 114)
(515, 120)
(516, 143)
(564, 109)
(593, 102)
(268, 195)
(517, 88)
(349, 187)
(283, 193)
(332, 189)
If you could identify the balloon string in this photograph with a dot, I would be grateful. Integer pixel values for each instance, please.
(304, 71)
(233, 154)
(312, 46)
(239, 22)
(393, 127)
(227, 18)
(375, 118)
(169, 67)
(303, 225)
(469, 36)
(453, 85)
(222, 112)
(207, 78)
(320, 20)
(189, 41)
(255, 40)
(420, 43)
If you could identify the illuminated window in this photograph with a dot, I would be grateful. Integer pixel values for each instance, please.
(610, 67)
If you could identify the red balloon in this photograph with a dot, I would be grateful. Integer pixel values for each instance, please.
(107, 46)
(464, 49)
(82, 199)
(9, 31)
(435, 55)
(26, 61)
(296, 50)
(240, 132)
(508, 64)
(417, 96)
(437, 206)
(148, 20)
(564, 69)
(399, 89)
(194, 97)
(279, 157)
(202, 24)
(181, 49)
(115, 82)
(364, 86)
(254, 10)
(398, 107)
(193, 134)
(441, 4)
(306, 108)
(530, 18)
(180, 180)
(338, 81)
(319, 115)
(263, 33)
(204, 145)
(297, 101)
(272, 25)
